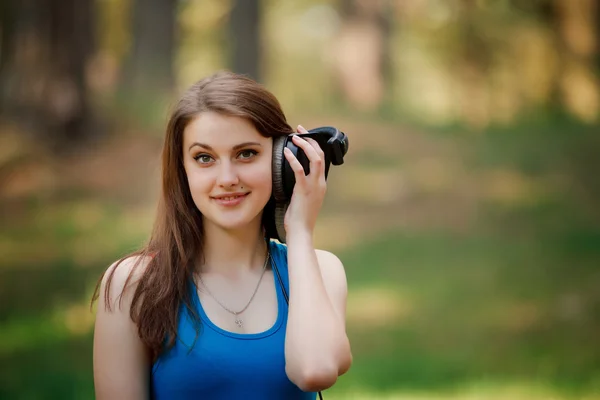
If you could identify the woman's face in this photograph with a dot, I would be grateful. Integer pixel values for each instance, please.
(228, 167)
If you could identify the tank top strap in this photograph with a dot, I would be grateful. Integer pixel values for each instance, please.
(279, 257)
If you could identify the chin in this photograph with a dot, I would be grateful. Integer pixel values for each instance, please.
(233, 222)
(231, 226)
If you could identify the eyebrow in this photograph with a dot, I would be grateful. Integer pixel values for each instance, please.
(236, 147)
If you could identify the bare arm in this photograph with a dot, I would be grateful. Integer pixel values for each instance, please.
(121, 362)
(317, 349)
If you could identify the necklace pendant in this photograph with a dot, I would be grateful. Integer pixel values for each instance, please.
(239, 322)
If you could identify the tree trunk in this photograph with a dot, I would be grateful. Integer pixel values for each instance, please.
(363, 52)
(149, 69)
(8, 19)
(473, 68)
(577, 34)
(46, 46)
(597, 30)
(245, 36)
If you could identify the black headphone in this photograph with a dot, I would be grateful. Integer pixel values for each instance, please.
(334, 144)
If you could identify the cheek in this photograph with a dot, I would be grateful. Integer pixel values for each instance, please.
(199, 181)
(258, 175)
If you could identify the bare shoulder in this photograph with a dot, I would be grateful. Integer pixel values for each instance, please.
(334, 278)
(120, 357)
(329, 261)
(328, 257)
(331, 267)
(121, 278)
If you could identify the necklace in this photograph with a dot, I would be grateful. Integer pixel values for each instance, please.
(238, 321)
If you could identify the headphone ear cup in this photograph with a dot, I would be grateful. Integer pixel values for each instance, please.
(284, 178)
(279, 198)
(268, 220)
(278, 166)
(280, 210)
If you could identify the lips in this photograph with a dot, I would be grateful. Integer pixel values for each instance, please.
(230, 199)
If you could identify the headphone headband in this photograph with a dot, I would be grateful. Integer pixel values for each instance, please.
(333, 142)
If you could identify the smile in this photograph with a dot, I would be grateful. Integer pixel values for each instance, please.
(230, 200)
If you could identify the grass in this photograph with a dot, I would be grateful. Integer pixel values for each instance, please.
(61, 370)
(479, 308)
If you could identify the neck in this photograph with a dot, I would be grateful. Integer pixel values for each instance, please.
(233, 251)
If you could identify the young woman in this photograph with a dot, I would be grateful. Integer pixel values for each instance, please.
(199, 312)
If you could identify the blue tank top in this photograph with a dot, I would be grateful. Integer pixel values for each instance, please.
(218, 364)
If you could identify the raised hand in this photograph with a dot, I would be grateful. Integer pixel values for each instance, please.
(309, 190)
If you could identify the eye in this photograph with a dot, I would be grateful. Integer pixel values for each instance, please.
(247, 154)
(203, 158)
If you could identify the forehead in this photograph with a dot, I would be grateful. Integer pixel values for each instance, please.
(220, 131)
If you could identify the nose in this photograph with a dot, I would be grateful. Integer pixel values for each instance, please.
(227, 176)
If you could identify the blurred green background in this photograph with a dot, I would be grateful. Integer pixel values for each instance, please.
(467, 213)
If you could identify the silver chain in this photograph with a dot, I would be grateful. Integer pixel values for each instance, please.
(238, 321)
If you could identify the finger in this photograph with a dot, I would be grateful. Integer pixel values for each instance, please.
(295, 165)
(317, 147)
(301, 129)
(316, 161)
(321, 154)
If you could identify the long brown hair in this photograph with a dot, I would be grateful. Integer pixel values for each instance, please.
(177, 236)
